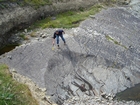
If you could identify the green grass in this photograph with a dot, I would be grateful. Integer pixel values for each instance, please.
(67, 19)
(12, 92)
(36, 3)
(24, 37)
(114, 41)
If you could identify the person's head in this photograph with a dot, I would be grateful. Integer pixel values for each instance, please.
(57, 32)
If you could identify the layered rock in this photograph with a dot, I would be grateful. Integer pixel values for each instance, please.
(101, 58)
(15, 17)
(96, 101)
(134, 8)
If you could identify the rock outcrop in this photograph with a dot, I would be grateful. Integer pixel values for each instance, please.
(134, 8)
(38, 93)
(15, 17)
(101, 58)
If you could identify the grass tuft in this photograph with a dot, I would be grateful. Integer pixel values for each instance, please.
(33, 34)
(24, 37)
(12, 92)
(34, 3)
(114, 41)
(37, 3)
(67, 19)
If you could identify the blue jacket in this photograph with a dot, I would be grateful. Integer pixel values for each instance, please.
(60, 32)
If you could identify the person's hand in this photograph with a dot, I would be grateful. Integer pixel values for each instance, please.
(53, 42)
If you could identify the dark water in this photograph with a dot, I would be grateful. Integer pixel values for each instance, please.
(130, 94)
(7, 49)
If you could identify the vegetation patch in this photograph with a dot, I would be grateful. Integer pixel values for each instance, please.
(12, 92)
(35, 3)
(24, 37)
(67, 19)
(33, 34)
(114, 41)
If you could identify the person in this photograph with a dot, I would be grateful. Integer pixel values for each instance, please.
(57, 34)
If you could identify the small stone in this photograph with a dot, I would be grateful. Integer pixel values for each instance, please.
(53, 18)
(10, 57)
(43, 89)
(54, 104)
(92, 16)
(25, 30)
(22, 92)
(13, 70)
(111, 98)
(43, 36)
(102, 94)
(37, 38)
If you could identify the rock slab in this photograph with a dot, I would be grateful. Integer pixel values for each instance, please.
(101, 58)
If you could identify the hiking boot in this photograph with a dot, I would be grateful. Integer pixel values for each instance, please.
(58, 47)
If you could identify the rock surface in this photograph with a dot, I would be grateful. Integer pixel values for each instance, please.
(38, 93)
(15, 17)
(96, 101)
(134, 8)
(101, 58)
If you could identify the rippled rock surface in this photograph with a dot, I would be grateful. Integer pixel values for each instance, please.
(101, 58)
(134, 8)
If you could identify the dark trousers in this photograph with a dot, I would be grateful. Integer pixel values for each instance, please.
(57, 38)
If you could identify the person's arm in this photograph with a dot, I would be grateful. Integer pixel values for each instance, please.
(54, 36)
(63, 32)
(53, 41)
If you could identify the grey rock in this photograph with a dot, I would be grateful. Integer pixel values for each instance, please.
(97, 59)
(21, 17)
